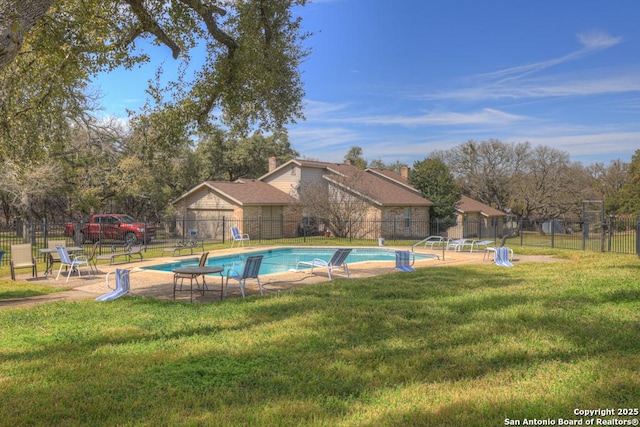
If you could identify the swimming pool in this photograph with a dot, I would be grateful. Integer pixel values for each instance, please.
(281, 260)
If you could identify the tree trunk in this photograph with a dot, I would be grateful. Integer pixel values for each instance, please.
(17, 17)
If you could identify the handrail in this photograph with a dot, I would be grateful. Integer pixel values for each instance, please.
(442, 241)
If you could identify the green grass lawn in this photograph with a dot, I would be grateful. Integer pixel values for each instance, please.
(445, 346)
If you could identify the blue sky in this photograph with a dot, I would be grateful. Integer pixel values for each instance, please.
(403, 78)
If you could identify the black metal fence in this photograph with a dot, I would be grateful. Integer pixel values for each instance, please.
(616, 234)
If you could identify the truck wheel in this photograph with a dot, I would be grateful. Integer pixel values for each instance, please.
(130, 239)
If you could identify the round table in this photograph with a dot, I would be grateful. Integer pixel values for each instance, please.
(192, 272)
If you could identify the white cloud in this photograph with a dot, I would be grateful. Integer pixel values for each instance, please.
(598, 40)
(316, 111)
(323, 143)
(486, 116)
(591, 42)
(591, 143)
(517, 83)
(612, 82)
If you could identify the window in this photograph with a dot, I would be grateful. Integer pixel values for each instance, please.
(407, 217)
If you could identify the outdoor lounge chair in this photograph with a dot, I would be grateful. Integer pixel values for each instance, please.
(122, 285)
(337, 260)
(238, 237)
(482, 244)
(72, 263)
(501, 257)
(180, 246)
(129, 252)
(432, 241)
(459, 245)
(250, 271)
(403, 261)
(22, 257)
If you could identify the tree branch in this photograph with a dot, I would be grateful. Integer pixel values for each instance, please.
(150, 25)
(17, 19)
(206, 12)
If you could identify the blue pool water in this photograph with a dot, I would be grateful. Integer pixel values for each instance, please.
(281, 260)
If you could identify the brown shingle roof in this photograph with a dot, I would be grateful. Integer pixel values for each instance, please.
(467, 204)
(377, 189)
(389, 174)
(393, 177)
(251, 192)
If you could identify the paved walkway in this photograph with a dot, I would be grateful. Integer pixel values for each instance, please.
(147, 283)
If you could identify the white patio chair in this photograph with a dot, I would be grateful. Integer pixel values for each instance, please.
(238, 237)
(250, 271)
(72, 263)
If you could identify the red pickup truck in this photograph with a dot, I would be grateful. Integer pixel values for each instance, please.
(111, 227)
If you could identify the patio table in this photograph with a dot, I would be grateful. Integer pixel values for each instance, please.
(193, 271)
(49, 253)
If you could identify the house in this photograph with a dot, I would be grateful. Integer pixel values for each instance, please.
(255, 206)
(473, 218)
(363, 196)
(286, 201)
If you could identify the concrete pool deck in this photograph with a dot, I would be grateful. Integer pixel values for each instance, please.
(158, 284)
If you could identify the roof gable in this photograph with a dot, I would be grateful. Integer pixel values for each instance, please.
(468, 205)
(245, 192)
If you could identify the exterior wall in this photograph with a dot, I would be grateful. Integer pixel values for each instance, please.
(206, 198)
(290, 178)
(394, 223)
(286, 180)
(248, 222)
(476, 226)
(201, 205)
(308, 175)
(268, 222)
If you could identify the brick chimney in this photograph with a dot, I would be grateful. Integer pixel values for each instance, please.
(404, 172)
(273, 163)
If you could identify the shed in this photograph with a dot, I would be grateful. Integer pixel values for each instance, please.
(211, 207)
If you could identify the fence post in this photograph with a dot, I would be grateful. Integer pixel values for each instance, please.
(520, 230)
(637, 235)
(610, 237)
(45, 233)
(393, 233)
